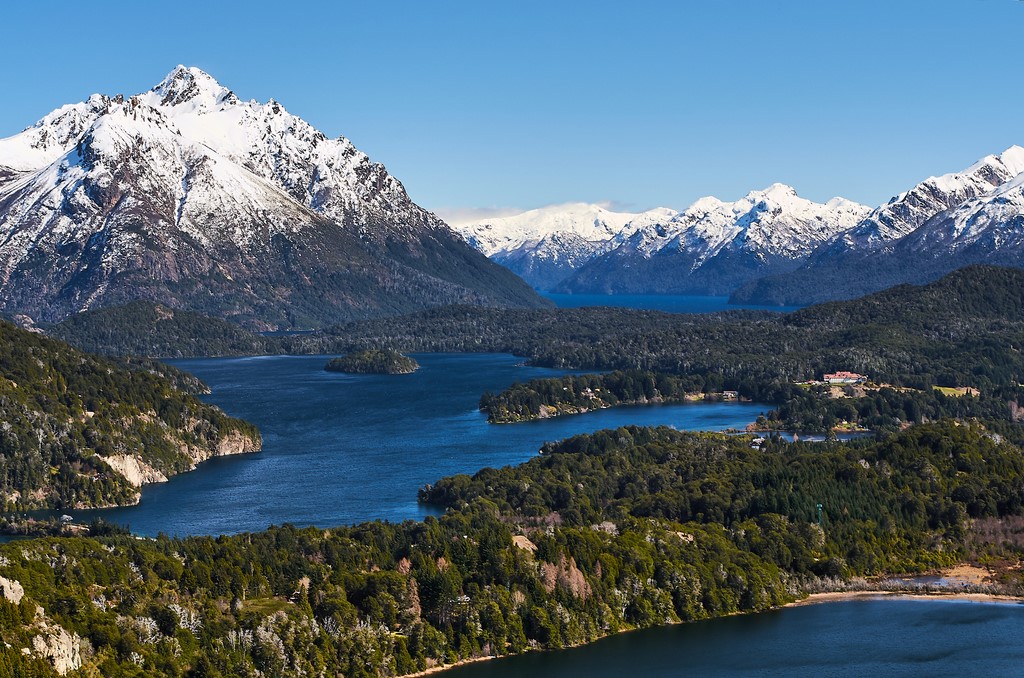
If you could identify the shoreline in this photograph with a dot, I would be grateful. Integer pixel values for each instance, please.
(838, 596)
(462, 662)
(811, 599)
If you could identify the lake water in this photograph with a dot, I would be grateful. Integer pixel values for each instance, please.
(340, 449)
(670, 303)
(905, 637)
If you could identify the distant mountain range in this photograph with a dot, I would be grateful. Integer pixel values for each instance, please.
(545, 246)
(771, 246)
(942, 224)
(188, 196)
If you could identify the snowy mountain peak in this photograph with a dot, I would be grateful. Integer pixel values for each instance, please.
(188, 196)
(776, 191)
(592, 223)
(191, 87)
(1014, 155)
(1012, 160)
(908, 211)
(774, 221)
(548, 246)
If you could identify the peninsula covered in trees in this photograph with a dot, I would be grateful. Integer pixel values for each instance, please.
(81, 431)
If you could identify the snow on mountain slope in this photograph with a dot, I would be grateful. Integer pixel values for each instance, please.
(330, 176)
(993, 221)
(774, 222)
(713, 246)
(944, 223)
(545, 245)
(51, 137)
(188, 196)
(592, 223)
(584, 248)
(909, 210)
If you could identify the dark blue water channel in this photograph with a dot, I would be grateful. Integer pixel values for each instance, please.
(340, 449)
(903, 637)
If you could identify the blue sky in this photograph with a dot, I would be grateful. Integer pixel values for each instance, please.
(501, 105)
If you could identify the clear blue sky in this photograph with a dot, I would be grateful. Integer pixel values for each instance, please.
(521, 104)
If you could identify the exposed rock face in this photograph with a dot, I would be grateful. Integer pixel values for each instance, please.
(135, 471)
(138, 473)
(187, 196)
(566, 576)
(910, 210)
(235, 443)
(63, 649)
(11, 590)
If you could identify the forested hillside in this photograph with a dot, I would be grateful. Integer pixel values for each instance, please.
(901, 334)
(966, 327)
(616, 530)
(144, 328)
(798, 407)
(963, 331)
(81, 431)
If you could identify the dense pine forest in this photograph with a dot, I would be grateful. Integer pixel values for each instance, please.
(799, 407)
(963, 331)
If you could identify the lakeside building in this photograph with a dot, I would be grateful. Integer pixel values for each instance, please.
(842, 377)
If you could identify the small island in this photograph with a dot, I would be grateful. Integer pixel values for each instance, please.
(373, 361)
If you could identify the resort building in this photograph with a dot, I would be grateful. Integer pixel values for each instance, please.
(845, 378)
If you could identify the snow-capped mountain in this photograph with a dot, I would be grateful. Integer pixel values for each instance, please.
(775, 222)
(544, 246)
(943, 223)
(710, 247)
(189, 196)
(993, 221)
(713, 246)
(908, 211)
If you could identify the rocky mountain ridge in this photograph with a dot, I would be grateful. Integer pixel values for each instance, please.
(188, 196)
(944, 223)
(546, 245)
(773, 247)
(584, 248)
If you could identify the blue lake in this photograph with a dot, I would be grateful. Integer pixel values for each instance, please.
(904, 637)
(670, 303)
(340, 449)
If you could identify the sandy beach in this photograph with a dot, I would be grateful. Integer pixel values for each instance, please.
(835, 596)
(955, 577)
(445, 667)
